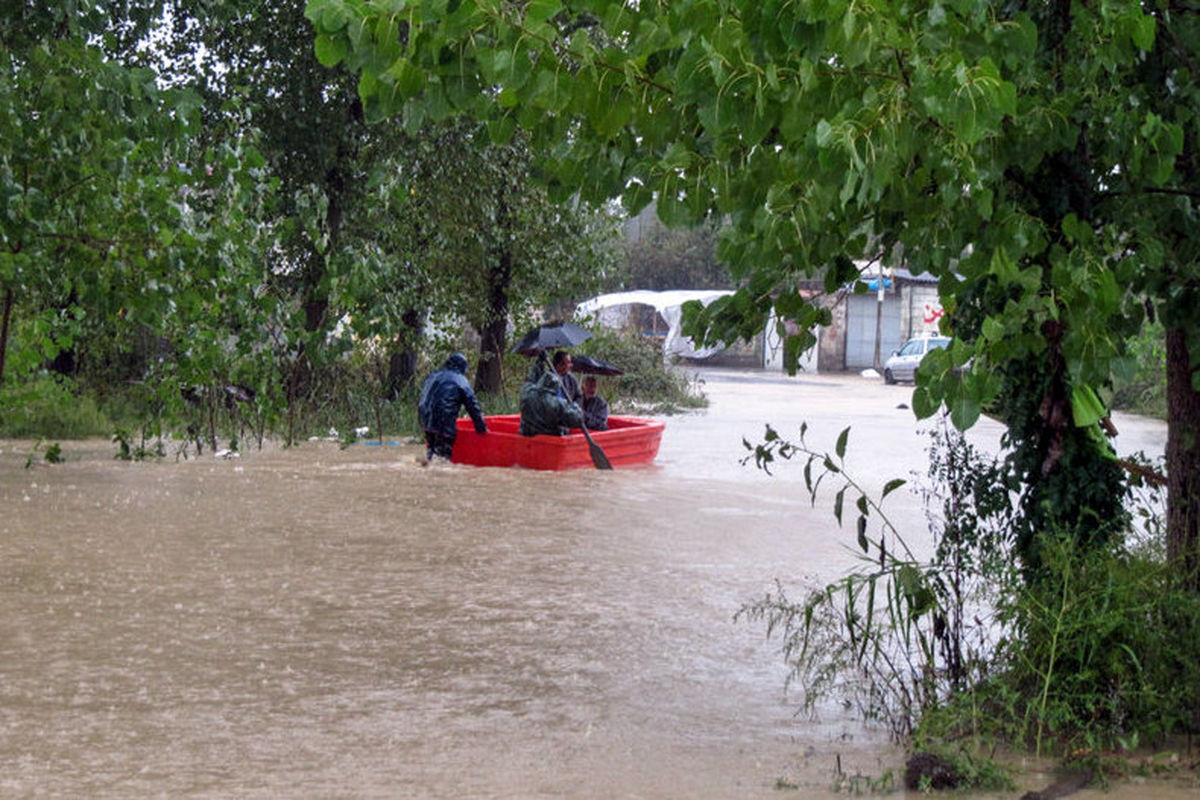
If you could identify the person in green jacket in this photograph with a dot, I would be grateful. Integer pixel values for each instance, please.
(543, 410)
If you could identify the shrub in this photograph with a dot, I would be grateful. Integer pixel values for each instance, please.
(648, 384)
(1145, 391)
(1105, 647)
(1100, 647)
(47, 406)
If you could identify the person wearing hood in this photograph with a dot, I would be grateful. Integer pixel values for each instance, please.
(444, 392)
(543, 409)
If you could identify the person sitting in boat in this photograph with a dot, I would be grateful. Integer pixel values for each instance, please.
(543, 409)
(569, 389)
(444, 392)
(595, 408)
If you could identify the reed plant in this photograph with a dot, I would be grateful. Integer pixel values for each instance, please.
(962, 651)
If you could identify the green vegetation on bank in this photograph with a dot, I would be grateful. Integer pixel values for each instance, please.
(967, 652)
(1145, 390)
(345, 395)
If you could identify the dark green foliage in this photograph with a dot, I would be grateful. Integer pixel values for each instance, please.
(145, 445)
(1104, 647)
(665, 258)
(1071, 482)
(1066, 474)
(1145, 391)
(51, 455)
(1103, 651)
(1099, 649)
(49, 407)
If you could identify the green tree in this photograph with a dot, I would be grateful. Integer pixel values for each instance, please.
(313, 137)
(386, 225)
(118, 217)
(464, 233)
(1039, 157)
(673, 258)
(522, 251)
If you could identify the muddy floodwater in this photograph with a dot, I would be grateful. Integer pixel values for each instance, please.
(344, 623)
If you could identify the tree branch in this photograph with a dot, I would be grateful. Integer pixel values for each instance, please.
(1150, 190)
(1153, 476)
(73, 186)
(94, 242)
(579, 56)
(1177, 192)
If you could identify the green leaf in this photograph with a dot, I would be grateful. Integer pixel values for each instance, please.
(891, 486)
(992, 329)
(923, 404)
(1086, 408)
(501, 130)
(507, 98)
(408, 79)
(330, 17)
(840, 447)
(541, 10)
(837, 504)
(1143, 32)
(329, 51)
(824, 134)
(964, 411)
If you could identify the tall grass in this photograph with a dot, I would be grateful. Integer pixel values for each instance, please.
(50, 407)
(1099, 649)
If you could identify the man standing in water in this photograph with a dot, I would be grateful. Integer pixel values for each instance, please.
(442, 395)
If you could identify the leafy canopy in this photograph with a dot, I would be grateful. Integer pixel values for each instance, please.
(934, 132)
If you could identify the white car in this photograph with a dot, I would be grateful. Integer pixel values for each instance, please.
(902, 364)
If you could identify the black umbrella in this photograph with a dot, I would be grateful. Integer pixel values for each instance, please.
(594, 366)
(551, 336)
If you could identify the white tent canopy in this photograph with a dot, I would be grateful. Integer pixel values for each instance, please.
(613, 311)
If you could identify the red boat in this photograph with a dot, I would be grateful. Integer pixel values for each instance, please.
(627, 442)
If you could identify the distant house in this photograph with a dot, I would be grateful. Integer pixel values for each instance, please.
(909, 307)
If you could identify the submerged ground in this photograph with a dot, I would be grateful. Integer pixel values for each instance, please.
(331, 622)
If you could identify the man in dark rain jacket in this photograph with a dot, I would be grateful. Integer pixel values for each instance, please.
(443, 394)
(543, 410)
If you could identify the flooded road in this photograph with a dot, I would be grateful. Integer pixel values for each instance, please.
(326, 622)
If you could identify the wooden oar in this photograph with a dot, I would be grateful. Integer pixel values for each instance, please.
(599, 459)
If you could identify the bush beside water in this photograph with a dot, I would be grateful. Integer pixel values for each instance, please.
(342, 396)
(964, 654)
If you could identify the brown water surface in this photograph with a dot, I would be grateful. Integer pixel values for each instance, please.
(328, 622)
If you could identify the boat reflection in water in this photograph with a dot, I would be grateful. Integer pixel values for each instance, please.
(629, 441)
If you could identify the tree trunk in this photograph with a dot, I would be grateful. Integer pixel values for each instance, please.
(1183, 461)
(489, 373)
(8, 304)
(402, 363)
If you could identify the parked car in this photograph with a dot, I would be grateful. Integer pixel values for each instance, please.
(902, 364)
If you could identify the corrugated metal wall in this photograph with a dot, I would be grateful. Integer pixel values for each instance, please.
(860, 329)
